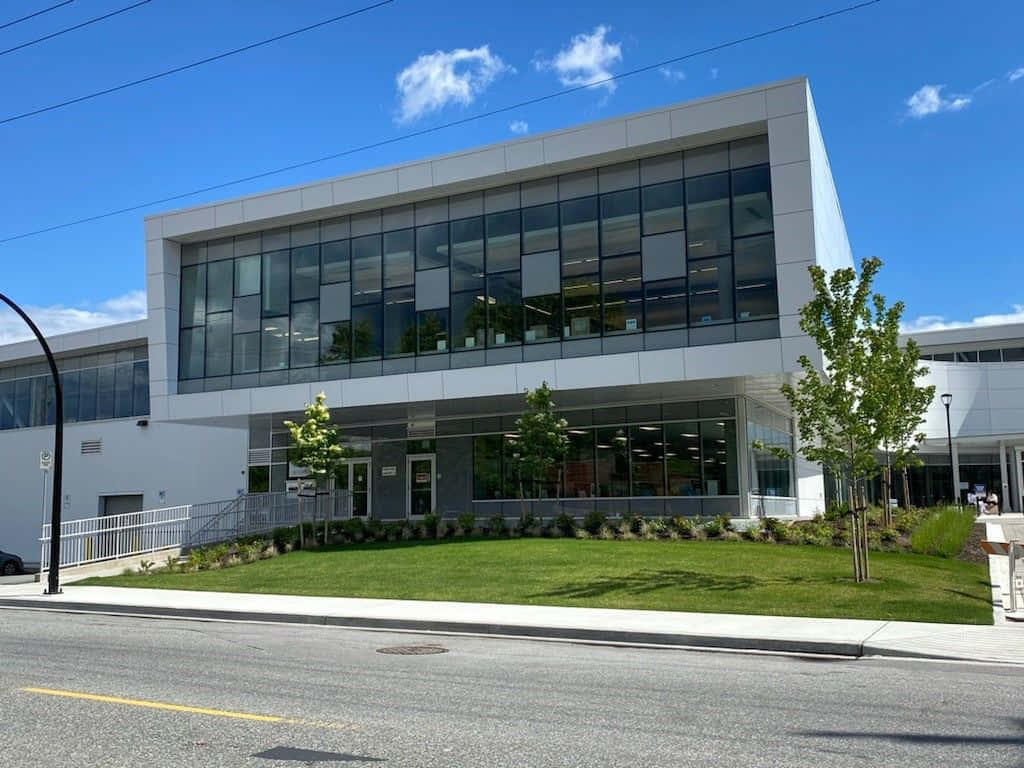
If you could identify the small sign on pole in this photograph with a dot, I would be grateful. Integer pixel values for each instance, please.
(45, 460)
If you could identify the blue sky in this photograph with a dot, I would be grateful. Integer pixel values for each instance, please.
(920, 103)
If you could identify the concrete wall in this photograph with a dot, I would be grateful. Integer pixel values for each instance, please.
(988, 399)
(189, 463)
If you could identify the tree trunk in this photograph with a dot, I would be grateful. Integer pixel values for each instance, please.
(854, 531)
(906, 489)
(522, 503)
(302, 533)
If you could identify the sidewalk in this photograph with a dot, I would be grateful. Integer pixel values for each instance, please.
(844, 637)
(1004, 528)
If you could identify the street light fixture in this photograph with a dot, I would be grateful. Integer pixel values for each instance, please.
(53, 583)
(946, 400)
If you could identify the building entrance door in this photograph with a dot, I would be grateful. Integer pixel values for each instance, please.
(355, 477)
(421, 483)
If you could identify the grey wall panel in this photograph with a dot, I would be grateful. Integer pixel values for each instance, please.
(431, 211)
(647, 507)
(305, 234)
(551, 350)
(246, 317)
(399, 365)
(432, 290)
(193, 254)
(368, 223)
(273, 378)
(664, 256)
(335, 302)
(681, 505)
(757, 329)
(243, 381)
(216, 384)
(706, 160)
(539, 191)
(334, 372)
(673, 339)
(654, 170)
(303, 375)
(712, 507)
(455, 475)
(389, 493)
(246, 245)
(365, 368)
(501, 199)
(467, 359)
(578, 184)
(712, 334)
(432, 362)
(581, 347)
(628, 342)
(400, 217)
(276, 239)
(744, 152)
(504, 355)
(218, 250)
(611, 178)
(335, 229)
(541, 273)
(464, 206)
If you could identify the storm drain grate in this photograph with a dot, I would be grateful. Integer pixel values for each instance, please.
(412, 650)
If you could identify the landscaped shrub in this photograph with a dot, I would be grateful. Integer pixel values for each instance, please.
(713, 528)
(657, 528)
(752, 533)
(774, 529)
(393, 531)
(374, 529)
(682, 525)
(889, 535)
(467, 522)
(430, 522)
(496, 525)
(944, 533)
(284, 537)
(565, 524)
(593, 521)
(354, 529)
(526, 523)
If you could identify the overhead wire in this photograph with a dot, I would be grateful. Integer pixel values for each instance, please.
(12, 22)
(72, 28)
(193, 65)
(450, 124)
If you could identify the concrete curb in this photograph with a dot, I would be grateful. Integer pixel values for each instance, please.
(580, 635)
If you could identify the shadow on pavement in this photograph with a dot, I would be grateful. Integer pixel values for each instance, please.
(314, 756)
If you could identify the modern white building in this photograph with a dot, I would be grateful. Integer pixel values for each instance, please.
(649, 267)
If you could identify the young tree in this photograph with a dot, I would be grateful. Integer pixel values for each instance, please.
(314, 445)
(898, 402)
(834, 407)
(541, 442)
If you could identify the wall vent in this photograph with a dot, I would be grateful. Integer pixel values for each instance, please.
(259, 456)
(91, 447)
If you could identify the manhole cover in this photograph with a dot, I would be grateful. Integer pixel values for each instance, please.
(412, 650)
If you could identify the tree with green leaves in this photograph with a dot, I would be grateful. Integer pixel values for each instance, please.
(835, 407)
(899, 403)
(540, 443)
(314, 445)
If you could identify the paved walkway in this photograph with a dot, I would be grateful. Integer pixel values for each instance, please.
(847, 637)
(1003, 528)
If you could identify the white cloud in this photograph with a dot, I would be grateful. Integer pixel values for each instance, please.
(58, 318)
(1016, 74)
(940, 323)
(519, 126)
(437, 79)
(587, 60)
(928, 100)
(672, 75)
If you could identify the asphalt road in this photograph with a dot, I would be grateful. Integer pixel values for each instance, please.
(109, 691)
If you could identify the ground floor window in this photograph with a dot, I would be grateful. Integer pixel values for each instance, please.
(771, 473)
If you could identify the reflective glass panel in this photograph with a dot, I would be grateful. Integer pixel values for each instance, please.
(220, 285)
(105, 392)
(276, 293)
(682, 458)
(718, 450)
(663, 208)
(469, 319)
(305, 273)
(707, 216)
(274, 349)
(87, 394)
(751, 201)
(399, 322)
(246, 353)
(622, 286)
(540, 228)
(612, 462)
(247, 275)
(620, 222)
(711, 292)
(433, 330)
(398, 258)
(581, 301)
(305, 334)
(218, 344)
(646, 448)
(504, 310)
(191, 353)
(503, 241)
(665, 304)
(542, 318)
(334, 262)
(124, 386)
(467, 254)
(335, 342)
(366, 270)
(580, 478)
(756, 292)
(366, 332)
(193, 295)
(432, 246)
(579, 236)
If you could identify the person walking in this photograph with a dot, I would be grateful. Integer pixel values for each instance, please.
(992, 504)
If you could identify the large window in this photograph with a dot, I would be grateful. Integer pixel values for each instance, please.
(682, 458)
(366, 270)
(718, 449)
(665, 304)
(469, 320)
(542, 318)
(663, 208)
(581, 299)
(335, 342)
(504, 310)
(193, 295)
(646, 452)
(305, 334)
(503, 241)
(707, 216)
(276, 295)
(751, 201)
(540, 228)
(612, 461)
(467, 249)
(711, 292)
(432, 327)
(398, 258)
(247, 275)
(432, 246)
(622, 293)
(274, 355)
(305, 273)
(771, 474)
(487, 467)
(220, 285)
(192, 353)
(580, 481)
(334, 262)
(756, 292)
(579, 236)
(218, 344)
(620, 222)
(366, 332)
(399, 322)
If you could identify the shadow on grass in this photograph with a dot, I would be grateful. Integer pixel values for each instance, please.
(643, 582)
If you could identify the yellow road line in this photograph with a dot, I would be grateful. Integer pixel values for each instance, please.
(159, 705)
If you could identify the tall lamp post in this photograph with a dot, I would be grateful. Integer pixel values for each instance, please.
(946, 400)
(53, 581)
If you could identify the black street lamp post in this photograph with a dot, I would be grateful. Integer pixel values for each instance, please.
(53, 582)
(946, 400)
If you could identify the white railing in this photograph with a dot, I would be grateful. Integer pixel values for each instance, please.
(94, 539)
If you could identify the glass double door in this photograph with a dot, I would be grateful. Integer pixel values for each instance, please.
(420, 481)
(354, 476)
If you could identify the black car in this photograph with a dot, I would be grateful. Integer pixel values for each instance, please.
(10, 564)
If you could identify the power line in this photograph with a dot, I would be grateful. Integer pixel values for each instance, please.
(11, 23)
(73, 28)
(194, 64)
(443, 126)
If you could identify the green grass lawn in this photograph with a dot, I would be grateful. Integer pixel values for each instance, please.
(706, 576)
